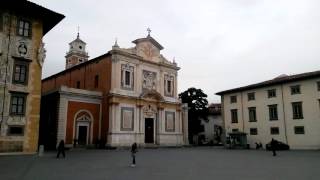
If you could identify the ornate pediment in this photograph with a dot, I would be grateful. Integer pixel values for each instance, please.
(83, 116)
(151, 94)
(148, 48)
(149, 111)
(150, 40)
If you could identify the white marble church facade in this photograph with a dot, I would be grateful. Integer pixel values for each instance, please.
(139, 99)
(144, 104)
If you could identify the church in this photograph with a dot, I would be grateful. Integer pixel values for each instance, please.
(126, 95)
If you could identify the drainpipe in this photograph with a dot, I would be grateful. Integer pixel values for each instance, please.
(284, 115)
(242, 115)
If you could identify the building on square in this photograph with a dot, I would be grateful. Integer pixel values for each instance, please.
(123, 96)
(285, 108)
(22, 53)
(212, 126)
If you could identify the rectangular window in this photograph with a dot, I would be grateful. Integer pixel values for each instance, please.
(234, 116)
(253, 131)
(235, 130)
(127, 76)
(297, 112)
(318, 85)
(274, 130)
(273, 112)
(295, 89)
(17, 106)
(78, 84)
(20, 72)
(233, 99)
(299, 129)
(15, 131)
(96, 81)
(272, 93)
(251, 96)
(24, 28)
(252, 114)
(168, 84)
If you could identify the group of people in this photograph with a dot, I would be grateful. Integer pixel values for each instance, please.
(258, 145)
(134, 150)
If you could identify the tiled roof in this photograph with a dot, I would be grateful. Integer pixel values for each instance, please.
(214, 108)
(278, 80)
(24, 7)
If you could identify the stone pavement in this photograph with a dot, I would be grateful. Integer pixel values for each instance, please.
(164, 164)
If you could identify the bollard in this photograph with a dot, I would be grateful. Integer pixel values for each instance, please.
(41, 150)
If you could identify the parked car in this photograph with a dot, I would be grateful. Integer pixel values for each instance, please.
(280, 146)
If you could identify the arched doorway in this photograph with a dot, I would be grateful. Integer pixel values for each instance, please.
(150, 125)
(83, 127)
(150, 115)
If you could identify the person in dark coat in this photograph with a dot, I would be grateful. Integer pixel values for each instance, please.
(134, 150)
(61, 149)
(257, 145)
(273, 146)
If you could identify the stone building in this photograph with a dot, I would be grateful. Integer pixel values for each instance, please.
(22, 26)
(212, 126)
(285, 108)
(121, 97)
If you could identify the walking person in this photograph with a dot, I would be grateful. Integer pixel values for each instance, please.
(134, 150)
(273, 146)
(61, 149)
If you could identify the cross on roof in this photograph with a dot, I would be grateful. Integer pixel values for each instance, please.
(149, 31)
(78, 32)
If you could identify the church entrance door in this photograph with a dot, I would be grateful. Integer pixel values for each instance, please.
(82, 135)
(149, 130)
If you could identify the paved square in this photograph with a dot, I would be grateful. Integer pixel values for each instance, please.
(164, 164)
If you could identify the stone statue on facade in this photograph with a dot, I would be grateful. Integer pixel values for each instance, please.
(41, 54)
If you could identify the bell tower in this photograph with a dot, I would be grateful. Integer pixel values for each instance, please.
(77, 53)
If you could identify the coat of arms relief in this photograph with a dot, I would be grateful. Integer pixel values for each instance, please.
(149, 80)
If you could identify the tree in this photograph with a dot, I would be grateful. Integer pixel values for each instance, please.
(198, 109)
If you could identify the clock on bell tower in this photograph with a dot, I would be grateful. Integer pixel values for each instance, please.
(77, 53)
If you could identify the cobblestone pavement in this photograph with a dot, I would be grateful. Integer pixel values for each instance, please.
(162, 164)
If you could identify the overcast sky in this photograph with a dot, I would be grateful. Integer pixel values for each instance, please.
(219, 44)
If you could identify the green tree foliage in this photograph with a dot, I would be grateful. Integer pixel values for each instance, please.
(198, 109)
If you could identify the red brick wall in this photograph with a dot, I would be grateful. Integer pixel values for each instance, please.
(85, 73)
(73, 108)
